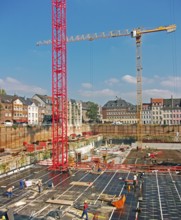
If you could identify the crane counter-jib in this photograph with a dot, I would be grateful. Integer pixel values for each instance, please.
(138, 31)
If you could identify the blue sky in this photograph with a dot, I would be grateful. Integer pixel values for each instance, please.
(100, 70)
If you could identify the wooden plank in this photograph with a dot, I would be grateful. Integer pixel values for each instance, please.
(60, 202)
(96, 172)
(107, 197)
(81, 183)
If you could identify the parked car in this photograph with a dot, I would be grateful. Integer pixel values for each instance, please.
(117, 123)
(8, 123)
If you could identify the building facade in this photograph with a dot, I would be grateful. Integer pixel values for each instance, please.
(33, 112)
(146, 113)
(6, 108)
(157, 111)
(19, 110)
(172, 111)
(119, 111)
(74, 113)
(44, 106)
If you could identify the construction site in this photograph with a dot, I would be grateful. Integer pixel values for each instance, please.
(104, 176)
(111, 172)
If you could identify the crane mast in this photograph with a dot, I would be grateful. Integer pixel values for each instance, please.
(59, 86)
(139, 90)
(137, 33)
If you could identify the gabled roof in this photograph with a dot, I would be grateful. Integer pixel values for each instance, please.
(6, 98)
(46, 99)
(30, 101)
(10, 98)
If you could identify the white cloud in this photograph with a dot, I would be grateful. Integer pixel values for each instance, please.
(99, 93)
(171, 82)
(148, 80)
(112, 81)
(12, 85)
(159, 93)
(129, 79)
(86, 85)
(12, 80)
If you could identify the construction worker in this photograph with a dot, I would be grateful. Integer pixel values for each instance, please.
(85, 209)
(99, 169)
(22, 184)
(129, 188)
(141, 175)
(39, 184)
(9, 192)
(92, 168)
(134, 180)
(50, 184)
(3, 217)
(70, 171)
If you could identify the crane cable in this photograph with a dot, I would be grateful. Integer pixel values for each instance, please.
(176, 78)
(91, 65)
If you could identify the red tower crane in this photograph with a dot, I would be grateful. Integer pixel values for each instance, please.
(59, 86)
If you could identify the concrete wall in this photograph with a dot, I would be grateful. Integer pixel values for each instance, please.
(11, 137)
(166, 146)
(149, 132)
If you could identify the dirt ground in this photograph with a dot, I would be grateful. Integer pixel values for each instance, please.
(170, 157)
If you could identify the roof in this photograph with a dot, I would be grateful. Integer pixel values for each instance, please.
(86, 105)
(22, 99)
(6, 98)
(74, 101)
(46, 99)
(157, 100)
(30, 101)
(119, 104)
(171, 103)
(10, 98)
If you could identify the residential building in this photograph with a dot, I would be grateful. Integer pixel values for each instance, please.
(33, 116)
(119, 111)
(146, 113)
(172, 111)
(38, 109)
(19, 110)
(6, 108)
(157, 110)
(85, 107)
(99, 113)
(74, 113)
(45, 106)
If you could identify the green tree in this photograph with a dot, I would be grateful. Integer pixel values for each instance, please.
(2, 92)
(93, 110)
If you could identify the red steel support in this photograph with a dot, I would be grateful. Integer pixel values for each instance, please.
(59, 86)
